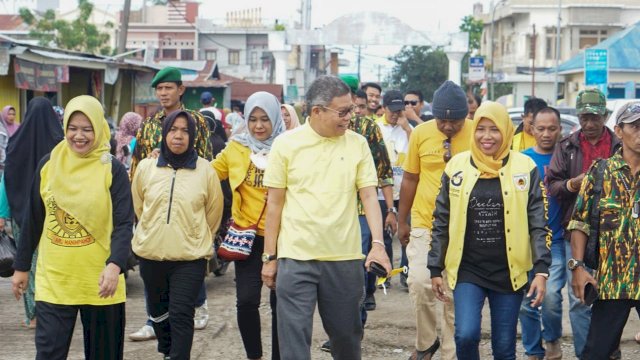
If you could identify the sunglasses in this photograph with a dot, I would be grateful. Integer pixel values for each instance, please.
(447, 150)
(411, 102)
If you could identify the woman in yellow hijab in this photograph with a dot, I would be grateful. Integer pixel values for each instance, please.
(80, 217)
(489, 231)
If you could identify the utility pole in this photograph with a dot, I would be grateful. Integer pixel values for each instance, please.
(122, 47)
(359, 49)
(533, 62)
(557, 57)
(493, 65)
(124, 27)
(379, 75)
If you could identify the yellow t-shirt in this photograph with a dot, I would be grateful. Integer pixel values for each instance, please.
(425, 157)
(522, 141)
(70, 261)
(321, 177)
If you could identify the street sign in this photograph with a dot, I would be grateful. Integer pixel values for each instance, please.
(476, 68)
(596, 67)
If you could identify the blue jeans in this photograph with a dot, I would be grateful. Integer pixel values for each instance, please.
(579, 313)
(365, 236)
(469, 299)
(550, 312)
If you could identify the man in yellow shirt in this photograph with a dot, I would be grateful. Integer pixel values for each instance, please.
(523, 138)
(431, 145)
(312, 227)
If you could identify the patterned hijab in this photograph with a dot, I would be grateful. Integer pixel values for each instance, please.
(129, 125)
(270, 104)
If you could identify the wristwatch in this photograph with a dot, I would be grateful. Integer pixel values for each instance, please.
(266, 258)
(573, 264)
(392, 210)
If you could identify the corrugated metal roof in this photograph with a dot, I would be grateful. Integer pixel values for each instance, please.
(623, 48)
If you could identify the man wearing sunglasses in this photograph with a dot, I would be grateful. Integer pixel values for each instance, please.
(431, 145)
(413, 103)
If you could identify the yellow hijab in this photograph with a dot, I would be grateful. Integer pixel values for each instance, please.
(490, 165)
(80, 184)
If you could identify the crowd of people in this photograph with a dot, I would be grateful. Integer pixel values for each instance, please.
(482, 210)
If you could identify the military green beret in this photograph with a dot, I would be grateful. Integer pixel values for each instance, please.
(351, 81)
(168, 74)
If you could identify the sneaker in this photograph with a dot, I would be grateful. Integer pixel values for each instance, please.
(145, 333)
(553, 350)
(326, 347)
(369, 302)
(403, 281)
(201, 317)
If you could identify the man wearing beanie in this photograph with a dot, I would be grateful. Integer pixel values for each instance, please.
(431, 145)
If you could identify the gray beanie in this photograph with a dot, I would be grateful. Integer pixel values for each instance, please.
(449, 102)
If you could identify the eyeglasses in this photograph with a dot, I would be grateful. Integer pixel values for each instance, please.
(341, 113)
(447, 150)
(411, 102)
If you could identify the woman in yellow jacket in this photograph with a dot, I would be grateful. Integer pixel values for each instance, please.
(489, 231)
(243, 162)
(178, 200)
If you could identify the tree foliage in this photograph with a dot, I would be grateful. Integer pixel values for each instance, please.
(419, 68)
(79, 34)
(474, 28)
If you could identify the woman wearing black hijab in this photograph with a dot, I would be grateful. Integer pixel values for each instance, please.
(178, 200)
(39, 133)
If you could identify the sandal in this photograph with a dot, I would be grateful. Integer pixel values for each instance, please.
(426, 354)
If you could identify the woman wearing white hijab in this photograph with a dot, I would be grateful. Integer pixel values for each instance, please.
(243, 162)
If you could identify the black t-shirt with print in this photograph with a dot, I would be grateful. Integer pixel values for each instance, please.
(484, 258)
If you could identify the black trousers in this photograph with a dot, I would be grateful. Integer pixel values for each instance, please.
(172, 289)
(102, 327)
(248, 293)
(608, 318)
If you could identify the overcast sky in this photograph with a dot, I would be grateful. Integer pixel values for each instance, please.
(423, 15)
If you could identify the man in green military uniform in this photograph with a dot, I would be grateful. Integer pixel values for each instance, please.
(169, 91)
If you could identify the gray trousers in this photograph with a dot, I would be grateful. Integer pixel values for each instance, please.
(337, 287)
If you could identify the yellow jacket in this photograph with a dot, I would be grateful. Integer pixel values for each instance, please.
(525, 218)
(179, 211)
(233, 163)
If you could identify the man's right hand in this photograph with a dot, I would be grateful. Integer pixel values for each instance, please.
(576, 182)
(404, 230)
(269, 271)
(579, 278)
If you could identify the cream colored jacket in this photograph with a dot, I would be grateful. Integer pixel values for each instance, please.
(178, 211)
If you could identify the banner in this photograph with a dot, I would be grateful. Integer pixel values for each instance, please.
(39, 77)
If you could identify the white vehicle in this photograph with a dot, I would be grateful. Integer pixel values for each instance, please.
(570, 123)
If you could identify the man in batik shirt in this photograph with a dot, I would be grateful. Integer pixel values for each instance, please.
(617, 282)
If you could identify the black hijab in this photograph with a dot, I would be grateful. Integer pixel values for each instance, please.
(39, 133)
(187, 159)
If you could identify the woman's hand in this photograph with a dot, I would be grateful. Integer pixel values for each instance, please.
(538, 287)
(19, 283)
(109, 280)
(437, 285)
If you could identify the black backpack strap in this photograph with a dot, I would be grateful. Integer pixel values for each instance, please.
(591, 251)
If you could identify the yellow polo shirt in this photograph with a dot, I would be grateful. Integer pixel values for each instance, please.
(321, 177)
(522, 141)
(425, 157)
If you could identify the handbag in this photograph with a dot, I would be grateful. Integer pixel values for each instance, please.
(7, 254)
(238, 242)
